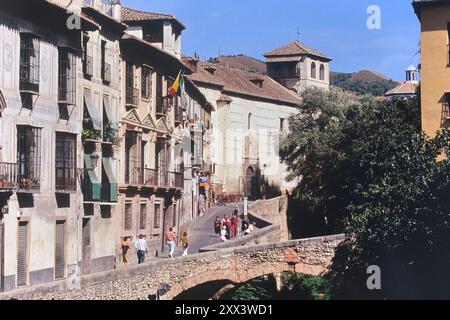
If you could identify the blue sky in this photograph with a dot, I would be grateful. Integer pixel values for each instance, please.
(336, 28)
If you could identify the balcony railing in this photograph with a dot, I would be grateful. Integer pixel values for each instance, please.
(154, 178)
(131, 97)
(66, 179)
(11, 177)
(8, 176)
(150, 177)
(133, 176)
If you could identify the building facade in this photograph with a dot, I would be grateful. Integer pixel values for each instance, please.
(408, 88)
(251, 111)
(40, 189)
(435, 70)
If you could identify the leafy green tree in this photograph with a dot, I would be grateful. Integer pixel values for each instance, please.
(369, 170)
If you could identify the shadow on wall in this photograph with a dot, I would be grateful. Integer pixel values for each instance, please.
(261, 187)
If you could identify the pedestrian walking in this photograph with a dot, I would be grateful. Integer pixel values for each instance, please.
(223, 234)
(170, 240)
(185, 243)
(236, 210)
(227, 224)
(244, 226)
(141, 246)
(125, 246)
(234, 226)
(217, 227)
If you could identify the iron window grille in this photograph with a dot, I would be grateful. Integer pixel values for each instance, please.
(67, 77)
(29, 157)
(29, 63)
(65, 162)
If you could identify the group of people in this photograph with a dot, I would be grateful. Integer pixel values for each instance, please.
(227, 229)
(141, 246)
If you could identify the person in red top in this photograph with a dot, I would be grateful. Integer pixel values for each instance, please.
(227, 224)
(234, 226)
(170, 239)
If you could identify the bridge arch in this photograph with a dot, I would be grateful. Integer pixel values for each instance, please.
(227, 279)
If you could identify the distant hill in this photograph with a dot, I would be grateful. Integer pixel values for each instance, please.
(241, 62)
(363, 82)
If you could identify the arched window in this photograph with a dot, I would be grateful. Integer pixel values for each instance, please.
(249, 123)
(322, 72)
(313, 70)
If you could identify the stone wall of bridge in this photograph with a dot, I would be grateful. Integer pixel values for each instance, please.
(236, 265)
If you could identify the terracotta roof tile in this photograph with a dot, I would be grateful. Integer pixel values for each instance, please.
(132, 15)
(295, 48)
(242, 82)
(404, 88)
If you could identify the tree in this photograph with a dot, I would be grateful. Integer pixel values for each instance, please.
(383, 182)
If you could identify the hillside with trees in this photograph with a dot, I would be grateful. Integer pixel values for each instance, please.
(363, 82)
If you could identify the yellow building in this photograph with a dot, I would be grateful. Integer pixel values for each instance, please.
(435, 74)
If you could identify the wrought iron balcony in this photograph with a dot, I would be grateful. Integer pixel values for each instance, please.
(150, 177)
(8, 176)
(66, 180)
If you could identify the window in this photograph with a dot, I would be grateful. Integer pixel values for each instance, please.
(65, 162)
(313, 70)
(60, 258)
(67, 73)
(159, 94)
(22, 253)
(249, 121)
(157, 216)
(146, 86)
(131, 92)
(29, 156)
(322, 72)
(29, 63)
(106, 67)
(133, 168)
(448, 43)
(88, 60)
(143, 216)
(282, 124)
(128, 225)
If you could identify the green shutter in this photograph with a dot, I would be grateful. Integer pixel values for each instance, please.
(96, 186)
(113, 185)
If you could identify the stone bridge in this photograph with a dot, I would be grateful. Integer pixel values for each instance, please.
(223, 268)
(212, 272)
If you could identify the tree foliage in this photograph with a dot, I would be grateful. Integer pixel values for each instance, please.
(367, 168)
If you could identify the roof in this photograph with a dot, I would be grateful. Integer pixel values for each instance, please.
(418, 4)
(403, 89)
(233, 81)
(242, 62)
(294, 49)
(132, 15)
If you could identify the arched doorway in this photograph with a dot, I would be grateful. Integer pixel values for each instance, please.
(249, 174)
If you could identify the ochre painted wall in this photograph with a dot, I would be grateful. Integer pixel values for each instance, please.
(435, 67)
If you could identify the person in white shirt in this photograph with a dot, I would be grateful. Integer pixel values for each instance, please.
(141, 246)
(223, 234)
(250, 228)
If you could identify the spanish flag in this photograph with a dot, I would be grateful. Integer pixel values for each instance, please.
(177, 85)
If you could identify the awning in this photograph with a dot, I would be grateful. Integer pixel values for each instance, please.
(108, 170)
(93, 113)
(112, 191)
(95, 187)
(110, 113)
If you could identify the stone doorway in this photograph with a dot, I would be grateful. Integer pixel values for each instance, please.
(249, 174)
